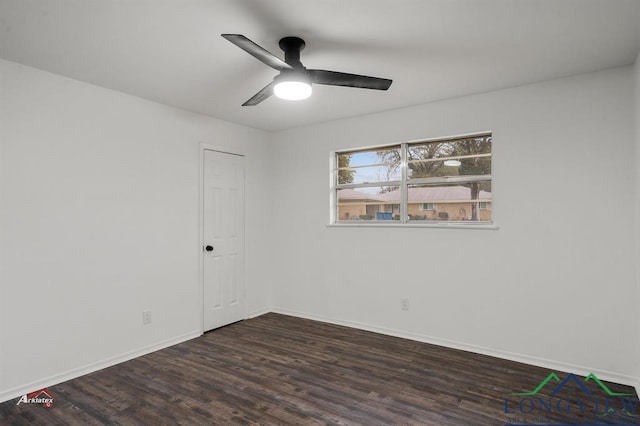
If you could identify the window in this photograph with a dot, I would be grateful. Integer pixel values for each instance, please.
(428, 206)
(445, 180)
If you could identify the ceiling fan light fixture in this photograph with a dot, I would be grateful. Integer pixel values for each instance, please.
(452, 163)
(292, 88)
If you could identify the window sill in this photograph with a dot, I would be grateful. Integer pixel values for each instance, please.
(442, 225)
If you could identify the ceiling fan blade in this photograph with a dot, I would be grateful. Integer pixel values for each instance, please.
(260, 96)
(257, 52)
(334, 78)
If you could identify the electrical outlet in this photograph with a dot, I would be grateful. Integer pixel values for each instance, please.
(146, 317)
(404, 303)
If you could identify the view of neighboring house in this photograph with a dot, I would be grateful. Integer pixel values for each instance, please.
(440, 203)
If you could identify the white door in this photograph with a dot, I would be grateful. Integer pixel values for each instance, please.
(223, 239)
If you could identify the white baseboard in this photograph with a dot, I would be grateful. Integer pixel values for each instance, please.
(90, 368)
(525, 359)
(258, 312)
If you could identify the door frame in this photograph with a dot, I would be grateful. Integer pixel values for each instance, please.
(241, 153)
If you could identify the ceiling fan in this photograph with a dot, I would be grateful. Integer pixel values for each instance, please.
(294, 81)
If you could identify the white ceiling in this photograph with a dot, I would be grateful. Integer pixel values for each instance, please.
(170, 51)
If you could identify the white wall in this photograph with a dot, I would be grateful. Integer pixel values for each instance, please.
(555, 285)
(99, 221)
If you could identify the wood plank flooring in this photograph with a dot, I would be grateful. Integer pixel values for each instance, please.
(281, 370)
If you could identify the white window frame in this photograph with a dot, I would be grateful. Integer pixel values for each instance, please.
(403, 184)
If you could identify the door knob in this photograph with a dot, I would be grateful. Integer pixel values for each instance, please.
(208, 248)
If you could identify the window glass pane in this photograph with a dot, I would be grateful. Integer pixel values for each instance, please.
(379, 165)
(459, 157)
(456, 202)
(373, 204)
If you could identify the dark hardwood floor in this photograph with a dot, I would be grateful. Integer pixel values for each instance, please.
(281, 370)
